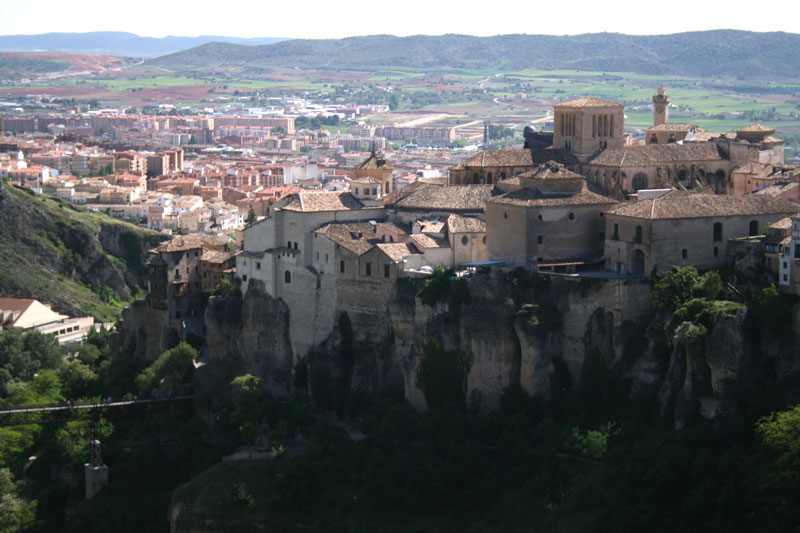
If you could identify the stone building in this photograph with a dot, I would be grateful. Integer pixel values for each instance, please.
(666, 228)
(588, 138)
(586, 125)
(547, 216)
(420, 200)
(175, 278)
(372, 178)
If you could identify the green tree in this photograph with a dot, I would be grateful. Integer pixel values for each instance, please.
(170, 373)
(251, 217)
(674, 288)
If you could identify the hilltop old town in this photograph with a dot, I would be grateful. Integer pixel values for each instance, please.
(326, 227)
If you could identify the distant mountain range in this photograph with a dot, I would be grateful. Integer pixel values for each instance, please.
(727, 53)
(116, 43)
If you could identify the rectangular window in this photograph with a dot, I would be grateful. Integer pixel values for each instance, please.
(785, 277)
(716, 251)
(295, 246)
(684, 253)
(616, 231)
(540, 239)
(289, 244)
(341, 267)
(386, 271)
(368, 269)
(244, 278)
(258, 266)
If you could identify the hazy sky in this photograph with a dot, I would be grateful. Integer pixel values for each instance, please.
(343, 18)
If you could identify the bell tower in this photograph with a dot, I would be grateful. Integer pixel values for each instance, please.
(660, 107)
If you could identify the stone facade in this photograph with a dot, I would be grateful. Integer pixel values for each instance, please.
(683, 229)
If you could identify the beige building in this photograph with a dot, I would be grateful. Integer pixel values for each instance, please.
(547, 218)
(586, 125)
(666, 228)
(28, 314)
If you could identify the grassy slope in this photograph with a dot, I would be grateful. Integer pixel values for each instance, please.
(32, 261)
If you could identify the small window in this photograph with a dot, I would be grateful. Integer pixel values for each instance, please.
(289, 244)
(386, 270)
(356, 190)
(258, 266)
(341, 267)
(368, 269)
(638, 234)
(616, 231)
(295, 246)
(244, 278)
(716, 251)
(505, 214)
(484, 239)
(317, 256)
(785, 277)
(287, 277)
(539, 217)
(464, 240)
(326, 258)
(684, 253)
(195, 254)
(540, 239)
(717, 231)
(572, 216)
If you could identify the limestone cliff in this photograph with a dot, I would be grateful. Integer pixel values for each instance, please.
(66, 256)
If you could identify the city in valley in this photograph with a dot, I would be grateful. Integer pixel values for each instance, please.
(258, 297)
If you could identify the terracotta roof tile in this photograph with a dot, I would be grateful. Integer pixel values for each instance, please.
(445, 197)
(459, 224)
(588, 101)
(322, 201)
(530, 197)
(677, 204)
(398, 251)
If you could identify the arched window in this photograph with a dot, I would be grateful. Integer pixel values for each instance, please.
(464, 240)
(476, 178)
(287, 277)
(639, 181)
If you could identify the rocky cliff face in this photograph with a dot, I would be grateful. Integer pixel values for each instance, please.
(65, 256)
(517, 329)
(252, 332)
(512, 332)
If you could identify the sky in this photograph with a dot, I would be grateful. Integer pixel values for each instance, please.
(322, 19)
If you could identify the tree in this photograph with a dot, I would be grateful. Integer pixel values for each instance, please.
(170, 373)
(251, 217)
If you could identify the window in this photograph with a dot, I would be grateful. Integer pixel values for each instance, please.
(571, 216)
(684, 253)
(540, 239)
(356, 190)
(505, 214)
(289, 244)
(464, 240)
(244, 278)
(368, 268)
(539, 217)
(716, 251)
(753, 227)
(638, 238)
(317, 256)
(484, 239)
(326, 258)
(177, 272)
(295, 246)
(717, 231)
(287, 277)
(386, 270)
(341, 267)
(785, 277)
(258, 266)
(616, 230)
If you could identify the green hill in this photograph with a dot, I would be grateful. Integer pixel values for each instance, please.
(79, 261)
(728, 53)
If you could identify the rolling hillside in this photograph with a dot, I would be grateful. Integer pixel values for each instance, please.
(727, 53)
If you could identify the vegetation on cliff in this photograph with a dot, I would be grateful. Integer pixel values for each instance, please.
(79, 261)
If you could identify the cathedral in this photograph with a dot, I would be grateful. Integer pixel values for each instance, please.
(589, 138)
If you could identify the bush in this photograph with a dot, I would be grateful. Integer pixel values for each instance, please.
(170, 373)
(440, 376)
